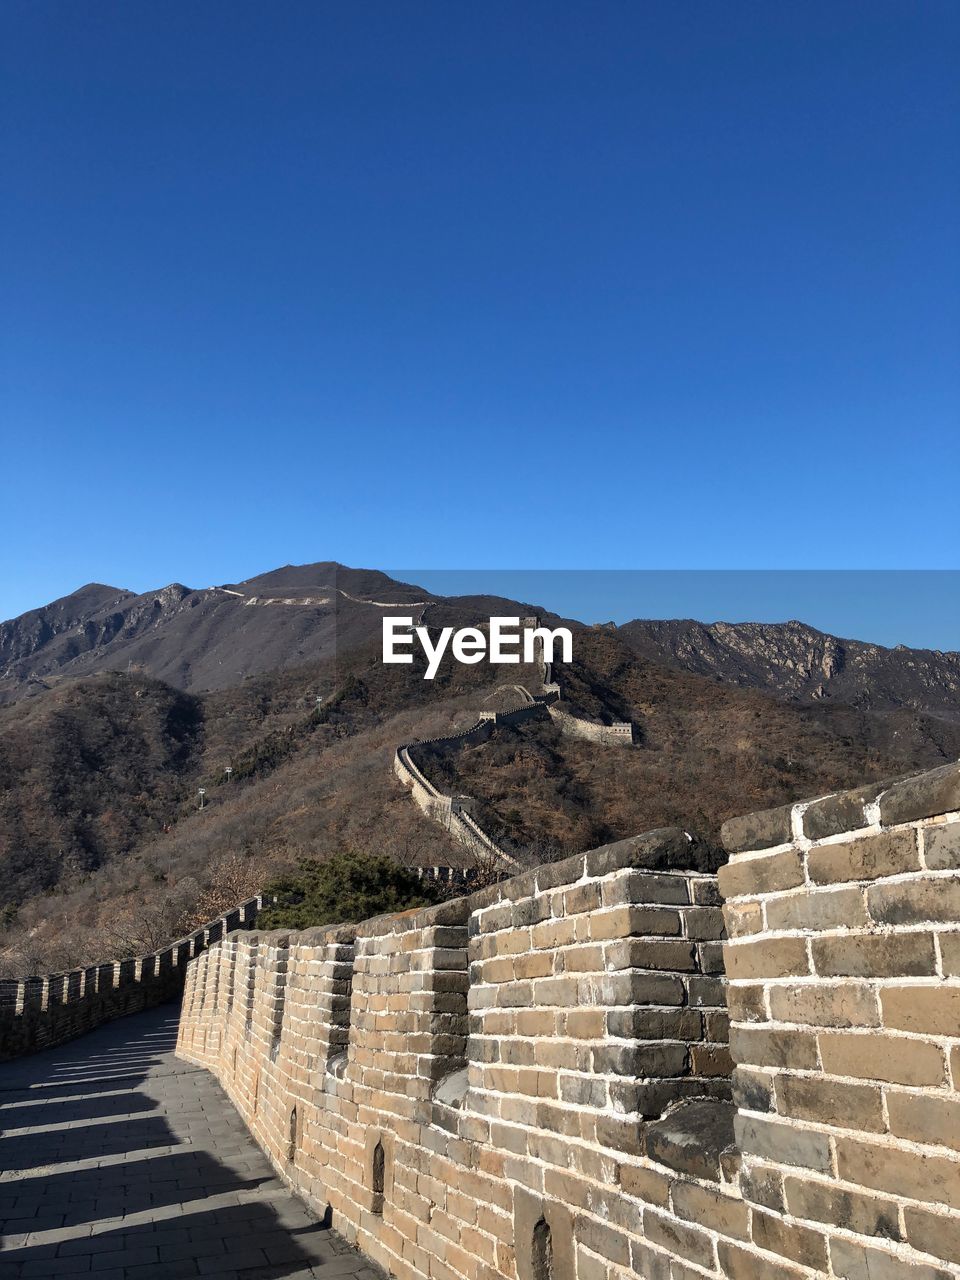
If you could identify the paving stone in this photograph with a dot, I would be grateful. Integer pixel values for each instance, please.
(121, 1162)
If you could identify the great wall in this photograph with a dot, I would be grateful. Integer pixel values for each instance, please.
(534, 1081)
(455, 812)
(604, 1067)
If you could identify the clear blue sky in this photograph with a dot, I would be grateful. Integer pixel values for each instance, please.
(518, 284)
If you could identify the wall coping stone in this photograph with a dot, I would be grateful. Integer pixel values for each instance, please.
(909, 798)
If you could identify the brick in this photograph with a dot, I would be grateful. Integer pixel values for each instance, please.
(704, 924)
(789, 1240)
(705, 992)
(847, 1106)
(934, 899)
(887, 854)
(650, 1185)
(857, 1262)
(921, 1118)
(950, 953)
(941, 847)
(783, 1143)
(740, 1262)
(893, 1059)
(763, 1186)
(716, 1210)
(747, 1004)
(924, 796)
(653, 953)
(866, 1215)
(743, 918)
(875, 955)
(752, 1090)
(757, 831)
(635, 922)
(933, 1233)
(644, 887)
(748, 877)
(932, 1010)
(681, 1239)
(766, 958)
(818, 909)
(926, 1178)
(823, 1004)
(774, 1048)
(838, 813)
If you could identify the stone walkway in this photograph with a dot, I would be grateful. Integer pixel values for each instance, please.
(119, 1161)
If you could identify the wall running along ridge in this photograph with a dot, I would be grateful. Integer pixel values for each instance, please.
(454, 812)
(531, 1081)
(36, 1013)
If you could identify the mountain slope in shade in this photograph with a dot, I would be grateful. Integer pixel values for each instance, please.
(800, 664)
(203, 639)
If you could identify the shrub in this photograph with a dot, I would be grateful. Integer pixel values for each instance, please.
(349, 886)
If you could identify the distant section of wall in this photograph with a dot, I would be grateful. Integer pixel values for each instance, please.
(36, 1013)
(618, 734)
(453, 812)
(532, 1082)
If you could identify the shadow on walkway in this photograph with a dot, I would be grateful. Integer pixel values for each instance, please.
(121, 1162)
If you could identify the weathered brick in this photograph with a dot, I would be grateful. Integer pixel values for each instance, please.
(635, 922)
(822, 1004)
(789, 1240)
(650, 1185)
(924, 796)
(950, 953)
(921, 1118)
(715, 1210)
(783, 1143)
(835, 814)
(926, 1178)
(644, 887)
(818, 909)
(867, 1215)
(941, 847)
(766, 958)
(875, 955)
(933, 1010)
(867, 858)
(748, 877)
(774, 1047)
(757, 831)
(743, 918)
(752, 1090)
(651, 953)
(933, 1233)
(681, 1239)
(848, 1106)
(933, 899)
(852, 1261)
(871, 1056)
(740, 1262)
(747, 1004)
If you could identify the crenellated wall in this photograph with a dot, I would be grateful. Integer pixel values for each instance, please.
(532, 1081)
(36, 1013)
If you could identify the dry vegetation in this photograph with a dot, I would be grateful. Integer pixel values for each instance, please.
(103, 851)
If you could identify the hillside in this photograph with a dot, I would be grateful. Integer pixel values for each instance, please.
(799, 663)
(101, 837)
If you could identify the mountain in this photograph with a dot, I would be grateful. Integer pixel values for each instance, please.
(120, 707)
(199, 639)
(800, 664)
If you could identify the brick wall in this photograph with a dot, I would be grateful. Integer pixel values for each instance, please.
(532, 1082)
(36, 1013)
